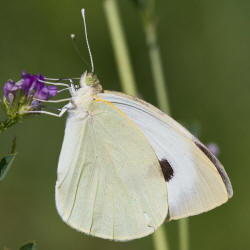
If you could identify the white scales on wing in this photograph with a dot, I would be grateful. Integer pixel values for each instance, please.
(196, 185)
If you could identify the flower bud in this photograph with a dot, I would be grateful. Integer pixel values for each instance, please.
(10, 89)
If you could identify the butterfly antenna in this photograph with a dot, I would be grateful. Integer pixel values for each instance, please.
(87, 41)
(73, 38)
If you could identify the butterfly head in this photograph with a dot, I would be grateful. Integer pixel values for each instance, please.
(90, 82)
(89, 79)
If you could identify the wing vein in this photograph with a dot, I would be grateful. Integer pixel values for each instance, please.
(98, 179)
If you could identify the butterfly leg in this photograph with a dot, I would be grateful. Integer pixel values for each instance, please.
(63, 110)
(71, 86)
(54, 101)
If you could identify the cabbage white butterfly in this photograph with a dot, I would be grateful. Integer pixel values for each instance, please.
(126, 167)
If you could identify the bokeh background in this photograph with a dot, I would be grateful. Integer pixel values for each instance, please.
(205, 48)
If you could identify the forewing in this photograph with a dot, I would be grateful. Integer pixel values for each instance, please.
(110, 182)
(196, 181)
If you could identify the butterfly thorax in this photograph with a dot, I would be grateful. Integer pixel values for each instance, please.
(89, 87)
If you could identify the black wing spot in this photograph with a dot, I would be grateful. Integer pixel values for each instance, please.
(167, 170)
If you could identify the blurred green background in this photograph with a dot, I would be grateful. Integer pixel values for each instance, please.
(206, 53)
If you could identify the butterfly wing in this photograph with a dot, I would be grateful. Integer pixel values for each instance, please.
(109, 183)
(196, 181)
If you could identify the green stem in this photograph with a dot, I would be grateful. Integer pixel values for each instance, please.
(7, 124)
(183, 234)
(128, 80)
(160, 239)
(156, 66)
(160, 236)
(162, 96)
(120, 47)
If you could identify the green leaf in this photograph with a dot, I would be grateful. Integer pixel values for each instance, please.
(5, 165)
(29, 246)
(7, 161)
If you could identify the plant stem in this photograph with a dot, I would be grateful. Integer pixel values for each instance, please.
(160, 239)
(162, 96)
(156, 65)
(4, 125)
(160, 236)
(183, 234)
(120, 47)
(127, 77)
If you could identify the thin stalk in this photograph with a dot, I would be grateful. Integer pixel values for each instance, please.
(160, 239)
(4, 125)
(128, 80)
(148, 15)
(156, 66)
(120, 47)
(183, 234)
(160, 236)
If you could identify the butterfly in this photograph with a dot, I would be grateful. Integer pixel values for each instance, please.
(126, 167)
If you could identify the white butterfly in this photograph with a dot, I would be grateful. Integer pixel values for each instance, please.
(126, 167)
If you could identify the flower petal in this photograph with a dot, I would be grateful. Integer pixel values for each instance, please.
(10, 87)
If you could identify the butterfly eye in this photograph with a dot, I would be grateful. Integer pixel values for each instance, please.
(91, 80)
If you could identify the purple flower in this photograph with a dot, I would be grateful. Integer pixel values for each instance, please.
(31, 86)
(40, 77)
(10, 88)
(28, 83)
(52, 91)
(35, 104)
(45, 93)
(214, 148)
(26, 95)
